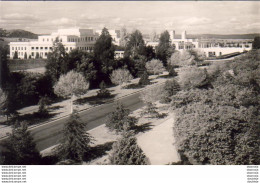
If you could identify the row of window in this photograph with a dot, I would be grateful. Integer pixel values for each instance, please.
(41, 48)
(47, 39)
(18, 48)
(86, 39)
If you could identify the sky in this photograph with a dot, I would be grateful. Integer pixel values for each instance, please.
(195, 17)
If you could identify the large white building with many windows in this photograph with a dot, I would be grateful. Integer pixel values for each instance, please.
(82, 39)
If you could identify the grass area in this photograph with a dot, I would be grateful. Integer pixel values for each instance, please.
(21, 64)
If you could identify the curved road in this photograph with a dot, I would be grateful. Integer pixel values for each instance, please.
(49, 134)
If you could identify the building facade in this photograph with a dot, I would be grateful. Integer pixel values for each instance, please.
(82, 39)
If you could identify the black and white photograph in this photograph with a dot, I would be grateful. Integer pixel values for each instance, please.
(129, 83)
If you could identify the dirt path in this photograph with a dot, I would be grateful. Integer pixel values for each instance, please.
(157, 143)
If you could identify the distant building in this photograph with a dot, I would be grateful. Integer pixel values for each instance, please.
(83, 39)
(210, 47)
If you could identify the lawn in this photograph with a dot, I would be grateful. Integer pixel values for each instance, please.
(21, 64)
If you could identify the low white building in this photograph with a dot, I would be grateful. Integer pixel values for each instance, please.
(83, 39)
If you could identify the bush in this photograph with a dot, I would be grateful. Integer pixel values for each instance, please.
(103, 92)
(120, 76)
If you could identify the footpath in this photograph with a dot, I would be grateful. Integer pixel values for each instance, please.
(62, 109)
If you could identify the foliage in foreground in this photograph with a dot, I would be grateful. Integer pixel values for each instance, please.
(127, 152)
(75, 140)
(20, 148)
(220, 125)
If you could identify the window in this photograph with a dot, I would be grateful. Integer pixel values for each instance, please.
(43, 39)
(66, 48)
(70, 48)
(24, 48)
(41, 48)
(32, 48)
(18, 48)
(37, 48)
(45, 53)
(47, 40)
(32, 53)
(50, 48)
(46, 48)
(12, 48)
(15, 48)
(21, 48)
(91, 38)
(22, 53)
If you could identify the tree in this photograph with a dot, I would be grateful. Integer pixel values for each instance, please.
(75, 140)
(103, 92)
(120, 120)
(123, 37)
(144, 80)
(135, 46)
(15, 55)
(104, 56)
(164, 49)
(171, 71)
(25, 55)
(3, 100)
(127, 152)
(151, 94)
(56, 62)
(120, 76)
(171, 87)
(154, 67)
(43, 106)
(149, 53)
(183, 58)
(4, 70)
(193, 77)
(20, 148)
(71, 85)
(256, 43)
(37, 55)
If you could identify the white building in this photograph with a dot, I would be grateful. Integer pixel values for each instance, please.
(209, 47)
(83, 39)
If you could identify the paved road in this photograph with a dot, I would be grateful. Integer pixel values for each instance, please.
(49, 134)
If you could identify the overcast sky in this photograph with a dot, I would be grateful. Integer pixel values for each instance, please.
(195, 17)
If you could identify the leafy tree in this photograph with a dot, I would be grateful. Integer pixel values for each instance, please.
(25, 55)
(120, 120)
(71, 85)
(193, 77)
(120, 76)
(123, 37)
(75, 140)
(104, 56)
(56, 62)
(10, 106)
(127, 152)
(170, 88)
(183, 58)
(20, 148)
(103, 92)
(135, 46)
(151, 110)
(149, 53)
(256, 43)
(144, 80)
(164, 49)
(152, 94)
(15, 55)
(154, 66)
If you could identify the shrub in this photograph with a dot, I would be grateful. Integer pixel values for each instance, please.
(103, 92)
(120, 76)
(170, 88)
(154, 66)
(144, 80)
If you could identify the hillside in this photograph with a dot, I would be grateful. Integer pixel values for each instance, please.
(228, 36)
(18, 33)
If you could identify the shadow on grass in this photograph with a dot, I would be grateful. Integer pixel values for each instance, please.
(166, 76)
(97, 151)
(31, 119)
(54, 108)
(143, 128)
(134, 86)
(93, 100)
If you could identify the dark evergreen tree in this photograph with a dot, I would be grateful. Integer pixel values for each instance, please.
(135, 47)
(256, 43)
(127, 152)
(75, 141)
(4, 70)
(104, 56)
(120, 119)
(144, 80)
(15, 55)
(20, 148)
(170, 88)
(56, 62)
(164, 49)
(103, 92)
